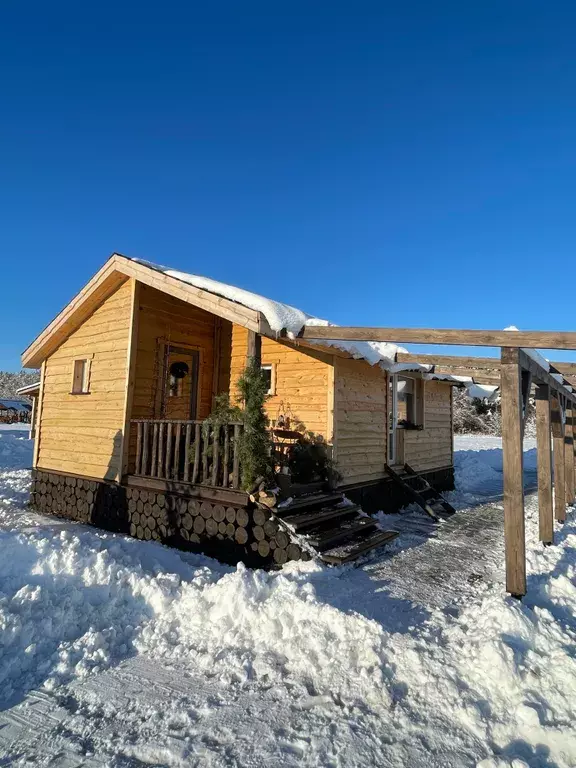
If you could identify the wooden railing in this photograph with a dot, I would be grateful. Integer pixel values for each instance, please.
(188, 451)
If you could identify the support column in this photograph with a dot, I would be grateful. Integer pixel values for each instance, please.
(254, 348)
(574, 447)
(569, 456)
(544, 450)
(514, 529)
(559, 465)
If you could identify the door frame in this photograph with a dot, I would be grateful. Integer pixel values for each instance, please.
(196, 354)
(392, 418)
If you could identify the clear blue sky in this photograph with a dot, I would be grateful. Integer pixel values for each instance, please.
(397, 164)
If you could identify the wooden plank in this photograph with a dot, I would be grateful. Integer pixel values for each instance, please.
(215, 455)
(466, 337)
(486, 364)
(544, 451)
(144, 465)
(514, 524)
(197, 448)
(176, 473)
(205, 443)
(161, 450)
(574, 446)
(226, 460)
(187, 440)
(39, 416)
(559, 464)
(130, 380)
(168, 464)
(569, 457)
(236, 458)
(155, 435)
(254, 348)
(222, 495)
(543, 376)
(489, 363)
(140, 428)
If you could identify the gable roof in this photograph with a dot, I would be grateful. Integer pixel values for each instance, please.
(250, 310)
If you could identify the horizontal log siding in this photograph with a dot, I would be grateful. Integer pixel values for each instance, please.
(360, 420)
(81, 434)
(301, 379)
(431, 447)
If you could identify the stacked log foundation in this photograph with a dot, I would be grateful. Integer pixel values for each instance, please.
(231, 533)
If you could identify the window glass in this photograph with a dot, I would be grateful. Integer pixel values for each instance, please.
(267, 371)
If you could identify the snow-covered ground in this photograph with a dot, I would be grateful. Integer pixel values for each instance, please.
(115, 652)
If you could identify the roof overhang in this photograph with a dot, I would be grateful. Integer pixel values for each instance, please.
(116, 271)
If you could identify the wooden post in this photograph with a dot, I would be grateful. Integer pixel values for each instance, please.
(544, 449)
(559, 465)
(254, 348)
(514, 533)
(574, 445)
(569, 456)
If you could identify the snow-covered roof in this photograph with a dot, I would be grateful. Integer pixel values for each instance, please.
(28, 388)
(14, 405)
(285, 319)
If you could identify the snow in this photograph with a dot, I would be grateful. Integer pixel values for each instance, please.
(481, 391)
(534, 354)
(117, 652)
(283, 317)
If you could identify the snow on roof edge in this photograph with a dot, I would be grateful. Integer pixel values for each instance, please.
(285, 318)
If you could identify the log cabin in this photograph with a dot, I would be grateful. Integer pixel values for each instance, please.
(130, 370)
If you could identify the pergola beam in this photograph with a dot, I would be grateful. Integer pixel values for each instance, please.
(489, 363)
(473, 338)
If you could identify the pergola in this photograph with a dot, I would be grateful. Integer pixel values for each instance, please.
(515, 372)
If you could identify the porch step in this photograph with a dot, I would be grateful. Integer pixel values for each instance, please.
(305, 502)
(351, 552)
(421, 492)
(326, 514)
(344, 532)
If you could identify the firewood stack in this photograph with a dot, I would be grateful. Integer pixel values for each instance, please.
(252, 534)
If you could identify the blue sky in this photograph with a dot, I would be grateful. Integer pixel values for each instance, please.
(395, 164)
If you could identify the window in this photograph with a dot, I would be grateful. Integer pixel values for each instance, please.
(270, 375)
(410, 401)
(81, 377)
(178, 372)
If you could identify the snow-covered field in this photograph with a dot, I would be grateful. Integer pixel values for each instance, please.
(116, 652)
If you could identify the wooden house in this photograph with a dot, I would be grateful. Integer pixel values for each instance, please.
(131, 367)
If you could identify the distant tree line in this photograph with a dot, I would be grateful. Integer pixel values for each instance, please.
(475, 416)
(11, 381)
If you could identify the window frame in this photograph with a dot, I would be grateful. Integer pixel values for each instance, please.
(83, 388)
(272, 368)
(415, 419)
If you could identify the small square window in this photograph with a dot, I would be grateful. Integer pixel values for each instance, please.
(81, 377)
(269, 374)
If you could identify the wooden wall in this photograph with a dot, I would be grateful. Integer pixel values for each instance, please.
(431, 447)
(165, 319)
(81, 434)
(360, 420)
(302, 380)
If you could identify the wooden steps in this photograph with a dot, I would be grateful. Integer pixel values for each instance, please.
(345, 531)
(337, 530)
(347, 554)
(310, 519)
(419, 490)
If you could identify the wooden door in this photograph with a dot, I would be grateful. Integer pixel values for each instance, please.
(182, 372)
